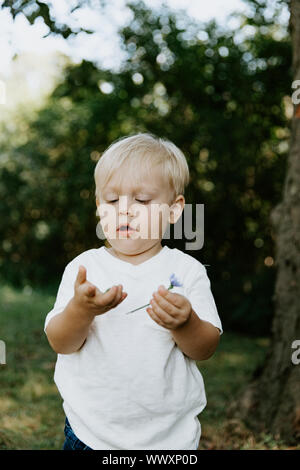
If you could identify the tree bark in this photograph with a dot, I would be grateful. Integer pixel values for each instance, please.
(271, 403)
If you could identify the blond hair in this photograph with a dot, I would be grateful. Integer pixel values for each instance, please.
(140, 153)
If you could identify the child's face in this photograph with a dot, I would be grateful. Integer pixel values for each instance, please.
(143, 202)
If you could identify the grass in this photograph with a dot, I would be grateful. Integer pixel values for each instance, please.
(31, 414)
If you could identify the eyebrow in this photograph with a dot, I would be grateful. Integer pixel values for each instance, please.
(137, 189)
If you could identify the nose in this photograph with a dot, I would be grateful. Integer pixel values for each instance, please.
(123, 206)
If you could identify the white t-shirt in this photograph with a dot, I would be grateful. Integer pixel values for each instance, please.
(130, 386)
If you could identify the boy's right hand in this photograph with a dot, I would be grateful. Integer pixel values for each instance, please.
(91, 300)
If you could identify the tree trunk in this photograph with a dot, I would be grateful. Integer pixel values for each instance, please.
(271, 403)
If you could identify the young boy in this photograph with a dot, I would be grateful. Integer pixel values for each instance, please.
(129, 380)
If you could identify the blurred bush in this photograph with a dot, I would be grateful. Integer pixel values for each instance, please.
(222, 99)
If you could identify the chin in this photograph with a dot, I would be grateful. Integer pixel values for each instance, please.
(129, 247)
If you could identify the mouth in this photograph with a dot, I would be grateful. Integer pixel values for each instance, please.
(125, 228)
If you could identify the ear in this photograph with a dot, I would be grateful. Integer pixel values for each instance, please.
(176, 209)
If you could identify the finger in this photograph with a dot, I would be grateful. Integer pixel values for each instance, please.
(175, 299)
(165, 305)
(109, 298)
(161, 314)
(154, 316)
(118, 295)
(109, 295)
(91, 291)
(81, 276)
(124, 294)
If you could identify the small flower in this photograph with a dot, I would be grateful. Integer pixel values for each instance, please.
(173, 283)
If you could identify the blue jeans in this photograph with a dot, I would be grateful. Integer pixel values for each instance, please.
(72, 442)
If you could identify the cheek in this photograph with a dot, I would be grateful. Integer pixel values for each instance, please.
(152, 220)
(160, 216)
(108, 227)
(107, 220)
(159, 222)
(147, 224)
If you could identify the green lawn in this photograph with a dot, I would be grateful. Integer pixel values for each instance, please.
(31, 415)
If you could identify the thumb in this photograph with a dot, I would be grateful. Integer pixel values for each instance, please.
(81, 276)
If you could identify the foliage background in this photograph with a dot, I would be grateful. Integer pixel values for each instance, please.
(222, 94)
(225, 101)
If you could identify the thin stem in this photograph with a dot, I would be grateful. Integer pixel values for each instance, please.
(171, 287)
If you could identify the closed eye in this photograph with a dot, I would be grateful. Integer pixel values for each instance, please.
(142, 202)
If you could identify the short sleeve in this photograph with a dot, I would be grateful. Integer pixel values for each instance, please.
(200, 295)
(64, 294)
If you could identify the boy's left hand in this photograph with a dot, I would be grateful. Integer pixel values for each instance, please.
(169, 310)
